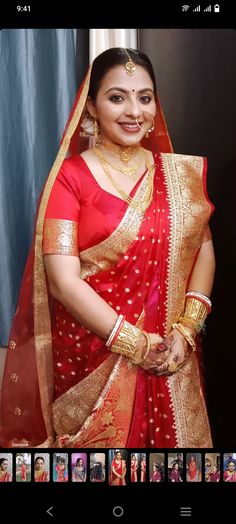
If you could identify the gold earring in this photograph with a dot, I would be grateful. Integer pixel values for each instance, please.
(150, 130)
(96, 128)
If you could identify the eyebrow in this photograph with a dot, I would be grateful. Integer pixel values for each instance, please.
(122, 90)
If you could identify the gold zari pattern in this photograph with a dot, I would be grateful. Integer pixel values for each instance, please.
(60, 237)
(195, 310)
(189, 212)
(129, 343)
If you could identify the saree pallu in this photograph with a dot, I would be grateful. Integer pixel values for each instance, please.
(141, 268)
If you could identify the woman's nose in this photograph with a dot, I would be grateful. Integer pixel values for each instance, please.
(133, 109)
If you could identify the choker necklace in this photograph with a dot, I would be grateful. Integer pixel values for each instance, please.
(125, 152)
(127, 170)
(141, 206)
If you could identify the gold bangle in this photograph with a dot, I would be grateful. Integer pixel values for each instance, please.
(183, 331)
(147, 336)
(129, 341)
(186, 321)
(196, 310)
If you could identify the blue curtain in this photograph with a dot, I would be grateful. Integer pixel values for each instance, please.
(38, 83)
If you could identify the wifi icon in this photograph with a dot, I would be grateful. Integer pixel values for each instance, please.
(185, 8)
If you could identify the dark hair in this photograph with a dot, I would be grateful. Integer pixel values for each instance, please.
(39, 458)
(97, 471)
(2, 460)
(77, 461)
(114, 57)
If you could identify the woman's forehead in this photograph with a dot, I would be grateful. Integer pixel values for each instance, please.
(118, 77)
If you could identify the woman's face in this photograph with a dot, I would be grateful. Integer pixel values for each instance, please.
(4, 465)
(121, 102)
(39, 464)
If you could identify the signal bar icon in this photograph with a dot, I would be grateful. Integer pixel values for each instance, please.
(208, 9)
(197, 9)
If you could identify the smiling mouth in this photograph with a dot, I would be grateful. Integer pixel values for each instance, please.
(131, 124)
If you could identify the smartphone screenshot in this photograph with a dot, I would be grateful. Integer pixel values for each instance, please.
(117, 264)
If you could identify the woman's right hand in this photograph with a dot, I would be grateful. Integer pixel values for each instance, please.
(158, 353)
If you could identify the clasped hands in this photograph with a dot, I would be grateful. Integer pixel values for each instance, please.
(166, 355)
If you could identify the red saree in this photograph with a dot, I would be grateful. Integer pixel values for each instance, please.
(78, 394)
(143, 471)
(117, 473)
(5, 476)
(41, 476)
(133, 470)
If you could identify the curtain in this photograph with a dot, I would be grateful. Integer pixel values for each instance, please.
(38, 84)
(102, 39)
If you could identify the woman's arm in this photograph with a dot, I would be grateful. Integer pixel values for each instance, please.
(80, 299)
(65, 284)
(202, 277)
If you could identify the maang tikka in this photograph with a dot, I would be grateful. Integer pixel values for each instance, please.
(130, 65)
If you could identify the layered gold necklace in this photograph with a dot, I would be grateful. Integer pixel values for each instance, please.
(125, 154)
(142, 206)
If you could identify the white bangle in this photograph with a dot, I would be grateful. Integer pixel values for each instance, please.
(114, 330)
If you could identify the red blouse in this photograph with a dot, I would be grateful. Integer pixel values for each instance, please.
(77, 197)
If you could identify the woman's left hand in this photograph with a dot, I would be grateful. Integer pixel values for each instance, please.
(178, 356)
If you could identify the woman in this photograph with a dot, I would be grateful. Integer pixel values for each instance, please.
(143, 469)
(230, 473)
(120, 276)
(175, 474)
(155, 476)
(23, 472)
(78, 471)
(117, 470)
(214, 475)
(5, 476)
(133, 468)
(40, 475)
(97, 473)
(193, 474)
(61, 471)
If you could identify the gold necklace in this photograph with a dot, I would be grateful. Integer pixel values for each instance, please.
(141, 206)
(130, 171)
(125, 152)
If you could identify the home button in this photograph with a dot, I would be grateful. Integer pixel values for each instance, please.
(118, 511)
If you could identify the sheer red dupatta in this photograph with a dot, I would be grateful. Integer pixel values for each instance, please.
(28, 389)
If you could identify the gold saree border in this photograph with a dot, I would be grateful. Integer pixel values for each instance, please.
(105, 418)
(42, 323)
(183, 175)
(60, 237)
(103, 256)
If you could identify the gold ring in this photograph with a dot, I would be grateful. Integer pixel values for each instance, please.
(172, 367)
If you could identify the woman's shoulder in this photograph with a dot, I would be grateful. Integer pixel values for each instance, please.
(72, 172)
(72, 164)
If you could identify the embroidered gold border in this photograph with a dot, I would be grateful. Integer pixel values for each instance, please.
(99, 407)
(60, 236)
(182, 174)
(42, 324)
(104, 255)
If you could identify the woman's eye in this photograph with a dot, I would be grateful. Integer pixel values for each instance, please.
(116, 98)
(145, 99)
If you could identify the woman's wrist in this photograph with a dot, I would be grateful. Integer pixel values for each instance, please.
(129, 341)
